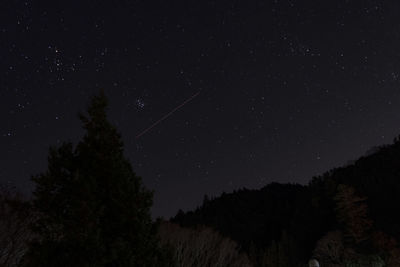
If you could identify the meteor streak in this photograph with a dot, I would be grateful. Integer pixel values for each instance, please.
(167, 115)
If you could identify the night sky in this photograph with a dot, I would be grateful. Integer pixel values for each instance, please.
(260, 91)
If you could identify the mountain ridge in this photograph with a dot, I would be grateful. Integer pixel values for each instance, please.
(259, 217)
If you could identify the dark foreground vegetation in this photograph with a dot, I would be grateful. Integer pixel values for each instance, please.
(346, 217)
(90, 209)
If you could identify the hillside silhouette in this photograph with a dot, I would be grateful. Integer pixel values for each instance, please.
(360, 201)
(89, 208)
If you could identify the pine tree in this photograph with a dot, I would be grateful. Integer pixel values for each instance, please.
(94, 210)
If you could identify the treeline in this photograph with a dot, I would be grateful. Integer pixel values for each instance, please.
(182, 247)
(353, 209)
(89, 208)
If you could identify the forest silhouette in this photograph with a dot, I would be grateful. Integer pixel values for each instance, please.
(89, 208)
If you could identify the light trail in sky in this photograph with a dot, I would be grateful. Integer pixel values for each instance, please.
(167, 115)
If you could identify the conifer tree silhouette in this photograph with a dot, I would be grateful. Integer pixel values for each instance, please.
(93, 209)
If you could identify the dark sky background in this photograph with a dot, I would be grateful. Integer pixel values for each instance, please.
(288, 89)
